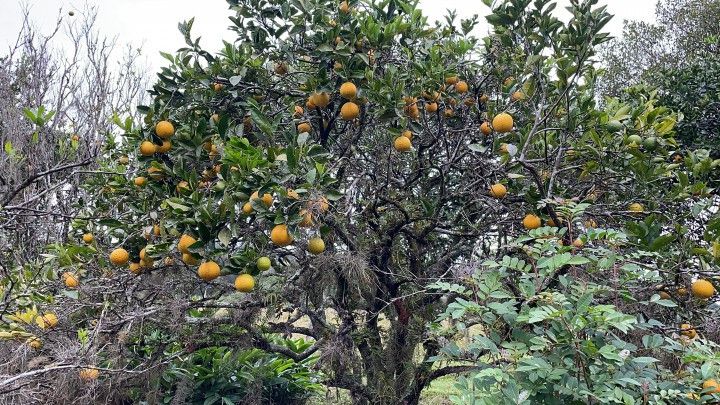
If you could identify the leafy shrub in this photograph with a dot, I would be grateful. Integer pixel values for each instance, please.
(221, 375)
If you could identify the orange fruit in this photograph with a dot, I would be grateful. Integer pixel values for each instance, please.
(185, 242)
(280, 235)
(431, 107)
(485, 128)
(155, 173)
(498, 190)
(70, 279)
(247, 208)
(140, 181)
(47, 320)
(147, 148)
(164, 129)
(502, 123)
(135, 268)
(702, 289)
(664, 295)
(189, 259)
(165, 147)
(461, 87)
(244, 283)
(711, 386)
(451, 80)
(402, 144)
(348, 91)
(636, 208)
(578, 243)
(349, 111)
(217, 86)
(209, 271)
(119, 257)
(299, 111)
(407, 134)
(89, 374)
(266, 198)
(304, 127)
(88, 238)
(320, 99)
(484, 98)
(531, 221)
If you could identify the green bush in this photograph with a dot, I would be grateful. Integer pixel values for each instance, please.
(222, 375)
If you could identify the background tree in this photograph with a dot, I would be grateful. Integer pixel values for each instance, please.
(678, 55)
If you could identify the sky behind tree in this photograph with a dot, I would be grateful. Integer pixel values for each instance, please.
(151, 25)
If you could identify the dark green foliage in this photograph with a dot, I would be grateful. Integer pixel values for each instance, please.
(220, 375)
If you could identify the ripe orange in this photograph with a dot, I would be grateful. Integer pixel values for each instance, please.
(244, 283)
(280, 235)
(484, 98)
(135, 268)
(247, 208)
(502, 123)
(304, 127)
(88, 238)
(165, 147)
(119, 257)
(431, 107)
(316, 245)
(485, 128)
(711, 386)
(147, 148)
(531, 221)
(407, 134)
(299, 111)
(320, 99)
(498, 190)
(164, 129)
(348, 91)
(189, 259)
(266, 198)
(209, 271)
(70, 279)
(349, 111)
(140, 181)
(461, 87)
(185, 242)
(89, 374)
(402, 144)
(47, 320)
(451, 80)
(702, 289)
(217, 86)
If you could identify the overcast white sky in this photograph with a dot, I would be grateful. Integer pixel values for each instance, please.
(152, 24)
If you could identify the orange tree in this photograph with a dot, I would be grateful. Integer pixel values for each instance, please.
(328, 171)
